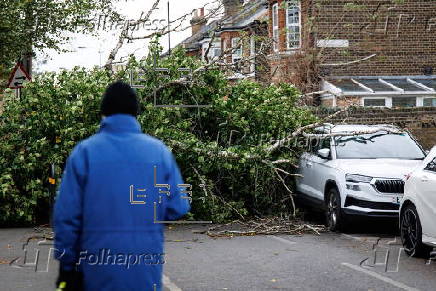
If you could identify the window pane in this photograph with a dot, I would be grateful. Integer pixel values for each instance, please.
(431, 166)
(293, 24)
(430, 102)
(275, 15)
(293, 14)
(375, 85)
(293, 36)
(404, 102)
(378, 146)
(374, 102)
(431, 83)
(403, 84)
(236, 45)
(275, 38)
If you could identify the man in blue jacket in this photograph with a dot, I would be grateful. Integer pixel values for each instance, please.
(117, 185)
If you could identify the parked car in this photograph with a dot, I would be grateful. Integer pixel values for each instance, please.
(345, 173)
(418, 209)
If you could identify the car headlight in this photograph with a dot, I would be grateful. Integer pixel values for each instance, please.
(353, 178)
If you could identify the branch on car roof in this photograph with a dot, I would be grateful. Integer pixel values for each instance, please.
(300, 130)
(354, 133)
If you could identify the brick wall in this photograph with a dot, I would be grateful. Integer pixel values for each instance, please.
(420, 121)
(401, 34)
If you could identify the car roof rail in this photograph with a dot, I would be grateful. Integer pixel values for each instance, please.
(324, 128)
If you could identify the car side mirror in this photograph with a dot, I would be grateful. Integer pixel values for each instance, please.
(324, 153)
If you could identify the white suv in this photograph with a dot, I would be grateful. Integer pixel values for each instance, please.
(347, 173)
(418, 209)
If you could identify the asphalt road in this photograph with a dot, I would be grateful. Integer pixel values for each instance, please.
(330, 261)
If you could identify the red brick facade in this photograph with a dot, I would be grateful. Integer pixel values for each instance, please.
(403, 36)
(400, 35)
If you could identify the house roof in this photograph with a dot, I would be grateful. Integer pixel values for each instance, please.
(251, 11)
(381, 85)
(193, 42)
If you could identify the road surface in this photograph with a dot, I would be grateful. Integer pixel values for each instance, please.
(330, 261)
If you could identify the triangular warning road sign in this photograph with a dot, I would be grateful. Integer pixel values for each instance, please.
(18, 77)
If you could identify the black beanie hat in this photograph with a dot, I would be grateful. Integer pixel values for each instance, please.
(119, 97)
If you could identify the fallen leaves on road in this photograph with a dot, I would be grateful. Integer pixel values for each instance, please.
(264, 226)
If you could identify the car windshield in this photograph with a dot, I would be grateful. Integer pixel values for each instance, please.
(378, 146)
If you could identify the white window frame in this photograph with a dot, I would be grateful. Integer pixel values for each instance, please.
(421, 100)
(224, 49)
(417, 102)
(252, 54)
(388, 101)
(275, 26)
(236, 53)
(216, 45)
(288, 25)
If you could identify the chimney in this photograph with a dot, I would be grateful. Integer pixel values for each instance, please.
(198, 20)
(232, 7)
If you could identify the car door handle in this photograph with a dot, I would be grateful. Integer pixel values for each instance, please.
(424, 179)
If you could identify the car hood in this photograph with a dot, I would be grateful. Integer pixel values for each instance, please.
(378, 168)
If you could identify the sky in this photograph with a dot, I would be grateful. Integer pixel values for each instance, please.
(89, 51)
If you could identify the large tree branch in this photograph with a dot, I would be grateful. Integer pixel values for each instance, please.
(300, 130)
(349, 63)
(125, 34)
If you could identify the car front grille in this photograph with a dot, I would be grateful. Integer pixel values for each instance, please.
(389, 186)
(351, 201)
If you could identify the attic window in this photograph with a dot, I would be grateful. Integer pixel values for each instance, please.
(293, 24)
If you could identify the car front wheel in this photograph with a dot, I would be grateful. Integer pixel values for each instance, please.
(334, 214)
(411, 233)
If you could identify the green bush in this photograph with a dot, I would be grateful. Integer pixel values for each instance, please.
(221, 146)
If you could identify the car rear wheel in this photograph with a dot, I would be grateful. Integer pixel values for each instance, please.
(411, 233)
(334, 214)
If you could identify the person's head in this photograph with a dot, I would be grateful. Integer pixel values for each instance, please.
(119, 98)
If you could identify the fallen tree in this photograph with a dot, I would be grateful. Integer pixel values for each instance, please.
(224, 149)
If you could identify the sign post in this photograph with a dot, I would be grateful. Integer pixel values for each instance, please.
(18, 77)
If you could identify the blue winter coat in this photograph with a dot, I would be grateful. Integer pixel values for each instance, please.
(104, 217)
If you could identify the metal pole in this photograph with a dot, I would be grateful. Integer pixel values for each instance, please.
(18, 93)
(169, 37)
(52, 181)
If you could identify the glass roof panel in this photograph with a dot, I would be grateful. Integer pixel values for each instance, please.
(403, 84)
(431, 83)
(347, 85)
(375, 85)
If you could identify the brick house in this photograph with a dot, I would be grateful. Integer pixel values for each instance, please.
(368, 53)
(236, 33)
